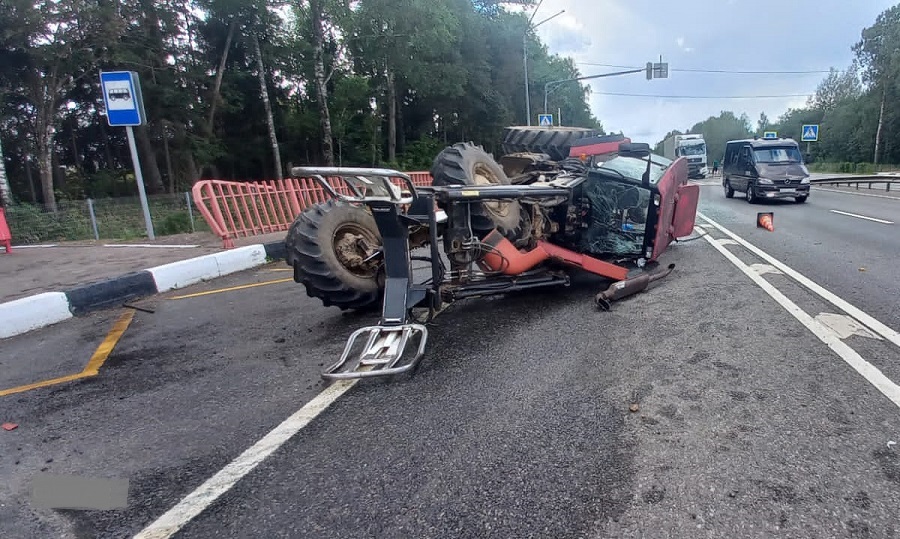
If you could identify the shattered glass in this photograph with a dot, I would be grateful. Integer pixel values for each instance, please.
(616, 222)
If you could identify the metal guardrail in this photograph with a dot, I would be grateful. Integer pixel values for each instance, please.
(856, 181)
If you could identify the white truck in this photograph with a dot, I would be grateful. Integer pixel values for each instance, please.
(693, 148)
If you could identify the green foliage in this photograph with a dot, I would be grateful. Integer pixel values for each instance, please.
(718, 130)
(176, 223)
(420, 154)
(457, 67)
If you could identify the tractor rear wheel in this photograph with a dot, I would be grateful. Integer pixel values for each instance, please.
(334, 248)
(554, 142)
(466, 164)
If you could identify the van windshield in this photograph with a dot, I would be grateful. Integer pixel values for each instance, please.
(777, 155)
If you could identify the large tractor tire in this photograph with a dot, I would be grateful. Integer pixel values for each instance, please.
(327, 245)
(554, 142)
(466, 164)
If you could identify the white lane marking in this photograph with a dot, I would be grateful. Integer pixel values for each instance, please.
(857, 194)
(726, 241)
(195, 502)
(762, 269)
(868, 371)
(845, 326)
(866, 319)
(882, 221)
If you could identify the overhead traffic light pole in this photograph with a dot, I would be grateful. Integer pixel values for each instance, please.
(658, 70)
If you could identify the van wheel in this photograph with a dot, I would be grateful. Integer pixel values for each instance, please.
(751, 196)
(729, 191)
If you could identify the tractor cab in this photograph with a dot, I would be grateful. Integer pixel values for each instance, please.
(636, 203)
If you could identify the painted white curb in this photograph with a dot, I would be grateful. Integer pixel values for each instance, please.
(26, 314)
(192, 271)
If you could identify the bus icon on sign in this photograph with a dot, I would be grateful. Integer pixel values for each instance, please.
(119, 93)
(122, 98)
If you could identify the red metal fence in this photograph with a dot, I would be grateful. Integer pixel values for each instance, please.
(244, 209)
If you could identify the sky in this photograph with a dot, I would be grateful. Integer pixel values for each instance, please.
(734, 35)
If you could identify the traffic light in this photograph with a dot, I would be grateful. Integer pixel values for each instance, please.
(659, 70)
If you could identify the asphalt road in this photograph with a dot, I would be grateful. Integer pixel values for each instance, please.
(700, 408)
(851, 256)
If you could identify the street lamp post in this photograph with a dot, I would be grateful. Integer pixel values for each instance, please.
(525, 57)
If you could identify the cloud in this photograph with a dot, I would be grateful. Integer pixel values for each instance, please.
(805, 35)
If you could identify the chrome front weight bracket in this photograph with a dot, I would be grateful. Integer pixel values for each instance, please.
(383, 354)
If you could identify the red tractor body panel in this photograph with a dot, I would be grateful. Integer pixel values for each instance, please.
(677, 207)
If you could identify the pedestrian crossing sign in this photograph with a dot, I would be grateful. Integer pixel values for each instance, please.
(769, 135)
(545, 120)
(810, 133)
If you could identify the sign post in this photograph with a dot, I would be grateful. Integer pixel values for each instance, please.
(125, 108)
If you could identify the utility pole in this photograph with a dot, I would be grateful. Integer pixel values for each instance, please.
(525, 56)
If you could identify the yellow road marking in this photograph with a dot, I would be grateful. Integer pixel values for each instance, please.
(280, 269)
(45, 383)
(106, 347)
(231, 289)
(93, 366)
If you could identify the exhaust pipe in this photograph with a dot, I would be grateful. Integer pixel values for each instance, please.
(628, 287)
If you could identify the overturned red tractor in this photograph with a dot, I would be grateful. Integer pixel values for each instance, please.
(559, 200)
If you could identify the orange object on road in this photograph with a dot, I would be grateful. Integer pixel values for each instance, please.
(765, 220)
(5, 236)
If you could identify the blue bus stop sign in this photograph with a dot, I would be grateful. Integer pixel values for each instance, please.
(122, 98)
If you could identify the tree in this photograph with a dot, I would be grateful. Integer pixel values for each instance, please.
(230, 86)
(837, 88)
(54, 44)
(5, 191)
(763, 124)
(718, 130)
(317, 27)
(878, 52)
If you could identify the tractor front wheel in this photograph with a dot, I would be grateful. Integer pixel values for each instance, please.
(336, 251)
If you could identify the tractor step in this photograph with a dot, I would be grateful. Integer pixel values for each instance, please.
(382, 354)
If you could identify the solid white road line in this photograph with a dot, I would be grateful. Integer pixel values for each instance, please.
(866, 320)
(882, 221)
(868, 371)
(195, 502)
(858, 194)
